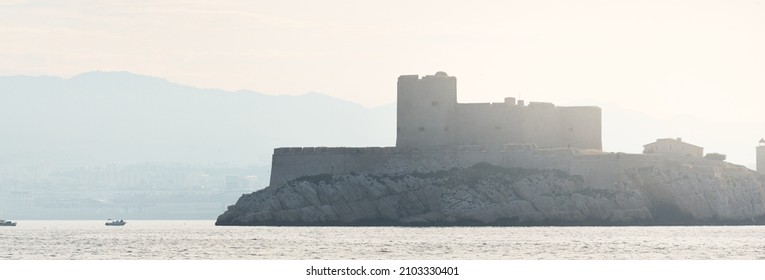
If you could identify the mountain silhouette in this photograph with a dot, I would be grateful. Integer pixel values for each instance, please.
(120, 117)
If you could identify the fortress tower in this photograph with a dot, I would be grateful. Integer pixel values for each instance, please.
(761, 157)
(426, 108)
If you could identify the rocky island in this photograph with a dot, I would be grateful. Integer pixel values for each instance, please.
(502, 163)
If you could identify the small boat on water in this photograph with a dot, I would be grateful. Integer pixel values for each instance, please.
(7, 223)
(111, 222)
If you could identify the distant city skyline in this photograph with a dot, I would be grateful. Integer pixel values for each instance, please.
(681, 58)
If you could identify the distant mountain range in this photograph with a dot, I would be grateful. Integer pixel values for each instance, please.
(120, 117)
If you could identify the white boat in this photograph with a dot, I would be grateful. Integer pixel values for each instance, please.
(111, 222)
(7, 223)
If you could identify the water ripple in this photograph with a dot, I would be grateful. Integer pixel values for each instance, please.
(202, 240)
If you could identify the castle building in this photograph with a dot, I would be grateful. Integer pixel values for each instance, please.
(431, 124)
(669, 146)
(429, 116)
(761, 157)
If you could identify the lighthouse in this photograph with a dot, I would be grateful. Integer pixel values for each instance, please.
(761, 156)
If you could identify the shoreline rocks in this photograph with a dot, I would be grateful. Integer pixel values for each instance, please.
(488, 195)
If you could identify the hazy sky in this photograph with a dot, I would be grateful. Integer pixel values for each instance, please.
(700, 58)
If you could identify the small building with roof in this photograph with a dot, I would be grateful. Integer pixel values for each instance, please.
(673, 146)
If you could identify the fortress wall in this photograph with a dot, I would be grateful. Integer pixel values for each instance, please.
(471, 129)
(488, 124)
(541, 125)
(598, 170)
(581, 127)
(293, 163)
(603, 171)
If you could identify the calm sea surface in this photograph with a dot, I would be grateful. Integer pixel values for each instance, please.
(46, 240)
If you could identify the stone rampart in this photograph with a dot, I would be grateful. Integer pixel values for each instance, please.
(599, 169)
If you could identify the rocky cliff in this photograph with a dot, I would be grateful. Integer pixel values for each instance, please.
(485, 194)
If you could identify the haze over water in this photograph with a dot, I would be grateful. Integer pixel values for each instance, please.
(201, 240)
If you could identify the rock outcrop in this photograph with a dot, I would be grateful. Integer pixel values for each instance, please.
(486, 194)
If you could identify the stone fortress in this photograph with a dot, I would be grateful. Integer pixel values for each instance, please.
(434, 132)
(429, 115)
(429, 120)
(504, 163)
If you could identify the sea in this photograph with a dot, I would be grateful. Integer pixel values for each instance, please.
(202, 240)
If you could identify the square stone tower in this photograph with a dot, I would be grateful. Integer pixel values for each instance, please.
(426, 110)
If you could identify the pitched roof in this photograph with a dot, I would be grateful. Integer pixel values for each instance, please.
(673, 140)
